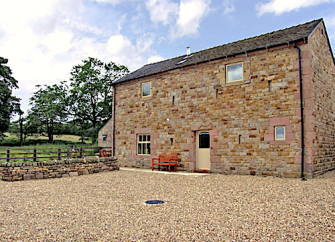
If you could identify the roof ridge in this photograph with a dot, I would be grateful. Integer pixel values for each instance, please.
(315, 20)
(257, 42)
(249, 38)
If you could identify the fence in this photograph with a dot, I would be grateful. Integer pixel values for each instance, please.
(51, 153)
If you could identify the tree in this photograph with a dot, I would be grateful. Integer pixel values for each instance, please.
(49, 108)
(91, 97)
(8, 103)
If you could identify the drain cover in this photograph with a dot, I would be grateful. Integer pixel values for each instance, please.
(154, 202)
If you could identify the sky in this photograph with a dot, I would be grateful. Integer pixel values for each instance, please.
(44, 39)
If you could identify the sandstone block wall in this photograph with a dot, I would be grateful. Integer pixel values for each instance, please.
(241, 118)
(108, 131)
(322, 103)
(17, 171)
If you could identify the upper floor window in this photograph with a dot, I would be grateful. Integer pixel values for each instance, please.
(234, 72)
(146, 89)
(104, 138)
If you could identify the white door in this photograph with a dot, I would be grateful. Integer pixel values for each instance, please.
(203, 155)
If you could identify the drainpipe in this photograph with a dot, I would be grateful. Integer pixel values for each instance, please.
(114, 96)
(302, 118)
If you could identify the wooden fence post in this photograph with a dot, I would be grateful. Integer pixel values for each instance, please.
(59, 154)
(81, 152)
(35, 155)
(8, 155)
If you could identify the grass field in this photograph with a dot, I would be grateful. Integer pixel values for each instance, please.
(40, 143)
(70, 138)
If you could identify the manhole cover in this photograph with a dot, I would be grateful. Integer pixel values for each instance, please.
(154, 202)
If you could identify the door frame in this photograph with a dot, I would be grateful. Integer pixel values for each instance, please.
(208, 151)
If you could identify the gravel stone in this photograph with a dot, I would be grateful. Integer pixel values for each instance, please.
(111, 207)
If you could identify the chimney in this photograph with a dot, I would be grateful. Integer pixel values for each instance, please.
(188, 50)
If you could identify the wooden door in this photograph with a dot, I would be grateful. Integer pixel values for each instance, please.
(203, 155)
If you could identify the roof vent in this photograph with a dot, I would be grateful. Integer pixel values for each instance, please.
(188, 50)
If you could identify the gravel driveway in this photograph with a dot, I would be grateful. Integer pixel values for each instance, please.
(110, 207)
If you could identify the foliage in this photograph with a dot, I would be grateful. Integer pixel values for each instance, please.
(8, 103)
(90, 98)
(49, 108)
(12, 140)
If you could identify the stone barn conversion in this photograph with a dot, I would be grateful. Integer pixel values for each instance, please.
(259, 106)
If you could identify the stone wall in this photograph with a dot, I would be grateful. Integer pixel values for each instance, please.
(107, 130)
(17, 171)
(322, 104)
(241, 118)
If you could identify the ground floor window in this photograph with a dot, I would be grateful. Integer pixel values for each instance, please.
(143, 144)
(280, 133)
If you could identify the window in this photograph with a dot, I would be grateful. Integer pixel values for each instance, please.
(146, 89)
(204, 140)
(143, 144)
(235, 72)
(104, 138)
(280, 133)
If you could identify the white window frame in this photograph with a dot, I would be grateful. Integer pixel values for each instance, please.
(143, 142)
(227, 72)
(280, 139)
(142, 89)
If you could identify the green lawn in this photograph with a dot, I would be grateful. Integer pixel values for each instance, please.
(40, 143)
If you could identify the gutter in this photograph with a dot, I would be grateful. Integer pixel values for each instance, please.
(302, 118)
(114, 97)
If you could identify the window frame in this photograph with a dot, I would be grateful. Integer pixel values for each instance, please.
(142, 90)
(280, 139)
(227, 72)
(143, 142)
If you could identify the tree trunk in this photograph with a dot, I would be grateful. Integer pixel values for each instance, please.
(82, 137)
(93, 135)
(52, 131)
(21, 131)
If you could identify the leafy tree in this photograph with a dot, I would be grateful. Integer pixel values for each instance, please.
(8, 103)
(48, 109)
(90, 98)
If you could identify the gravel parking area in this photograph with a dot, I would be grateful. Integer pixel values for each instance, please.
(110, 207)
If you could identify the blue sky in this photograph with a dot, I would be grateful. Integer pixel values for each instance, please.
(43, 39)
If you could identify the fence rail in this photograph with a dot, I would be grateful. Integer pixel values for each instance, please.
(70, 152)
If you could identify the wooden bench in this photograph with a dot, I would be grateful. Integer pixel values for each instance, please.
(104, 153)
(165, 160)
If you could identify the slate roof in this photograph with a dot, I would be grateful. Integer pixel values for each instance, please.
(272, 39)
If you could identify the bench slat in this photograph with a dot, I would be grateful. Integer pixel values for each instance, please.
(167, 160)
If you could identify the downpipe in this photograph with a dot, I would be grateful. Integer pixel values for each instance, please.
(114, 95)
(302, 118)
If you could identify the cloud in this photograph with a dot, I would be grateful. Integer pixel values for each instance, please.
(43, 40)
(191, 12)
(108, 1)
(154, 59)
(330, 24)
(228, 6)
(113, 2)
(162, 10)
(330, 21)
(281, 6)
(122, 50)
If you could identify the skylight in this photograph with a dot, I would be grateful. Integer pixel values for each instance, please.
(181, 62)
